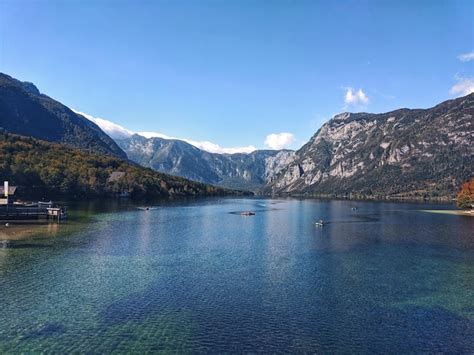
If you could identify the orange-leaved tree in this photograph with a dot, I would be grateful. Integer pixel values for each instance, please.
(465, 197)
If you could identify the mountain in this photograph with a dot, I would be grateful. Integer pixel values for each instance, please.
(25, 111)
(42, 168)
(248, 171)
(403, 153)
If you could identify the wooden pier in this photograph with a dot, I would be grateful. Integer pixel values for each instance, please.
(32, 212)
(11, 210)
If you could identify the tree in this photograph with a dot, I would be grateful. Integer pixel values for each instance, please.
(465, 197)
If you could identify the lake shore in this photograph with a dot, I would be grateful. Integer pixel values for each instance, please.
(19, 230)
(452, 212)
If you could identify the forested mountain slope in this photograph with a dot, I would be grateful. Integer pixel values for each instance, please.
(25, 111)
(40, 167)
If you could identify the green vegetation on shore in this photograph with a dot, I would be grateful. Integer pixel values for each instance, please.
(40, 167)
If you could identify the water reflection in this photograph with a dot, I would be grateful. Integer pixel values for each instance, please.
(194, 276)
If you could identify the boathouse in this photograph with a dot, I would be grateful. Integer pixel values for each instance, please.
(7, 194)
(11, 210)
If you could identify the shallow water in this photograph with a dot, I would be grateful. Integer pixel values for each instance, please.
(198, 277)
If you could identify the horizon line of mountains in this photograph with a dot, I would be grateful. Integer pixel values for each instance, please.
(406, 153)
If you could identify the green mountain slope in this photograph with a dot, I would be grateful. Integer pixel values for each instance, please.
(40, 167)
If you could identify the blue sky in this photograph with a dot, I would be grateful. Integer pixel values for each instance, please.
(234, 72)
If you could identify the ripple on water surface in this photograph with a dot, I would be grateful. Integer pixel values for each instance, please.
(197, 277)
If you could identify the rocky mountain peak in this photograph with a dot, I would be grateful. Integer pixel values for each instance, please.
(395, 153)
(342, 116)
(30, 88)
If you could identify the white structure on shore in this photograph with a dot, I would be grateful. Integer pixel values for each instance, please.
(6, 194)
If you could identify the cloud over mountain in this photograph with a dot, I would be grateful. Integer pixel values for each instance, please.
(204, 145)
(463, 87)
(356, 98)
(279, 140)
(116, 131)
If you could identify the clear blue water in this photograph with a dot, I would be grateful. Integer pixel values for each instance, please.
(197, 277)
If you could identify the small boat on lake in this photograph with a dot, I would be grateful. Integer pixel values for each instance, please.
(320, 223)
(247, 213)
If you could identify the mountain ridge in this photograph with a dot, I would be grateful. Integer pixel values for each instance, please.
(249, 171)
(26, 111)
(404, 152)
(378, 165)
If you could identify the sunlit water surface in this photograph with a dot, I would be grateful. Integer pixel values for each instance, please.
(198, 277)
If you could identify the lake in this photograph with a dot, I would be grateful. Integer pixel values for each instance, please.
(195, 276)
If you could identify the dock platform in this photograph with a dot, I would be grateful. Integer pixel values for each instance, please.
(47, 211)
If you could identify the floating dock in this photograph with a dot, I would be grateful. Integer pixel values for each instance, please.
(11, 210)
(37, 211)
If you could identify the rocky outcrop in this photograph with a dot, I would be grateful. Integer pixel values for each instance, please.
(400, 153)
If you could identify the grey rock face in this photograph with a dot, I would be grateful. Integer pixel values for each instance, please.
(399, 153)
(404, 153)
(239, 171)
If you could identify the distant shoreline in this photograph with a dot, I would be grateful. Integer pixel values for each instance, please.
(357, 197)
(452, 212)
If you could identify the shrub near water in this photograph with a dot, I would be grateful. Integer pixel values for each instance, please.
(465, 198)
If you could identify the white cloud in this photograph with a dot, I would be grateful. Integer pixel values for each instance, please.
(466, 57)
(116, 131)
(355, 98)
(154, 135)
(214, 148)
(204, 145)
(279, 140)
(112, 129)
(463, 87)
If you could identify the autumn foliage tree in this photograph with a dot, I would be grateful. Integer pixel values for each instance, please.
(465, 197)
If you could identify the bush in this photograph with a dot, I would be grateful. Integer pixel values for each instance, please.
(465, 198)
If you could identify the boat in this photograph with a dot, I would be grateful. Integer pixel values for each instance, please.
(320, 223)
(247, 213)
